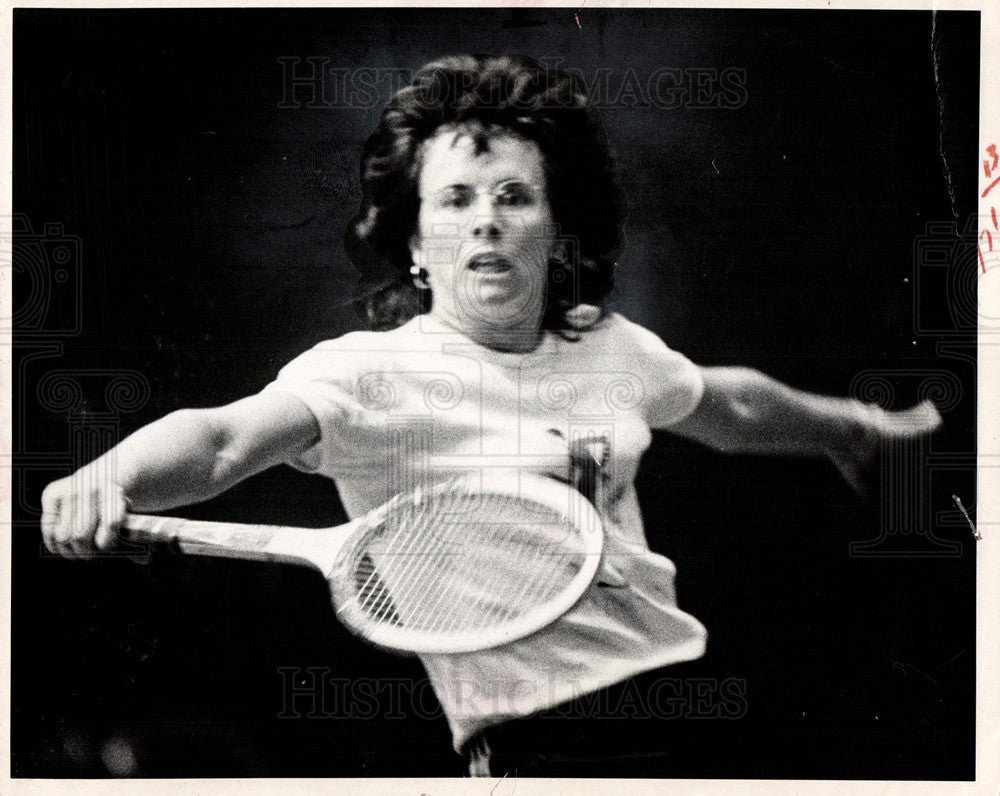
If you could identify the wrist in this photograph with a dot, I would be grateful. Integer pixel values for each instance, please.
(858, 435)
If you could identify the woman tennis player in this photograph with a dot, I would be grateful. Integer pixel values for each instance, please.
(486, 241)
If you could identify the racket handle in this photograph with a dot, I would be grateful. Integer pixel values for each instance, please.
(231, 540)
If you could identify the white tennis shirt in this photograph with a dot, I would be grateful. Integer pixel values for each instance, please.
(421, 403)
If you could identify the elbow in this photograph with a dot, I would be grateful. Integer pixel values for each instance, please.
(733, 413)
(199, 428)
(737, 414)
(211, 447)
(742, 397)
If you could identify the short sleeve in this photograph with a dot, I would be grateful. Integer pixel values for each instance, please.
(323, 378)
(673, 383)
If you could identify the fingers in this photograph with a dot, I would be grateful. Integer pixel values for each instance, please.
(870, 426)
(69, 529)
(82, 524)
(112, 518)
(873, 427)
(916, 421)
(52, 500)
(61, 510)
(80, 517)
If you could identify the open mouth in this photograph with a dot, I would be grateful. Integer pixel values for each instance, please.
(491, 264)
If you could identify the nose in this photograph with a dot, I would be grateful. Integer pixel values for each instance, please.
(486, 228)
(487, 220)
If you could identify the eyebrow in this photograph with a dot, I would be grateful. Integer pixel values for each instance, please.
(515, 180)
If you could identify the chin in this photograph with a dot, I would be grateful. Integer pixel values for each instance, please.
(513, 300)
(497, 296)
(497, 315)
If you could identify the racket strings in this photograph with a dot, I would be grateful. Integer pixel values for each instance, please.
(372, 590)
(490, 610)
(430, 593)
(397, 561)
(440, 611)
(392, 550)
(503, 574)
(465, 562)
(534, 590)
(403, 565)
(404, 557)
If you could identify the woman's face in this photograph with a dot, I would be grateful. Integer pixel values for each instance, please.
(484, 236)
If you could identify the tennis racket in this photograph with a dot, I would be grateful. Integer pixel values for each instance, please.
(447, 569)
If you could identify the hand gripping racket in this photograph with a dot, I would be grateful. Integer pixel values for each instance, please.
(452, 568)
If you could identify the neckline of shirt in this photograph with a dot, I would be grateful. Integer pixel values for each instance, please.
(455, 340)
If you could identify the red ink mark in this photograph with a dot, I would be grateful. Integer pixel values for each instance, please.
(577, 18)
(987, 166)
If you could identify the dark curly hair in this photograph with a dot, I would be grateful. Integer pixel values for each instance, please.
(487, 95)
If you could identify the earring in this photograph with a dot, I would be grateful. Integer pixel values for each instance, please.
(560, 256)
(419, 277)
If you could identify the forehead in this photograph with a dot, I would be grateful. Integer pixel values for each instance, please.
(450, 157)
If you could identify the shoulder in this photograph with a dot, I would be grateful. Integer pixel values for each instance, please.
(618, 332)
(406, 336)
(360, 350)
(673, 383)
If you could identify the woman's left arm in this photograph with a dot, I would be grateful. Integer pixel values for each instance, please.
(744, 411)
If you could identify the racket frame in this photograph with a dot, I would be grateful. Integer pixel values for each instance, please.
(580, 516)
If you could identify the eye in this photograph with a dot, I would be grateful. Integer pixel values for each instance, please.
(514, 194)
(455, 196)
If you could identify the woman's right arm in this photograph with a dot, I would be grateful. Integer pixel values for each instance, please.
(186, 457)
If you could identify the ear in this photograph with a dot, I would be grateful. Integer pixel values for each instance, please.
(416, 248)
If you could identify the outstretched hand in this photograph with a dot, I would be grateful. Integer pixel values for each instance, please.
(872, 427)
(83, 513)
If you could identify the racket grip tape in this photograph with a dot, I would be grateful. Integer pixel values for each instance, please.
(199, 537)
(232, 540)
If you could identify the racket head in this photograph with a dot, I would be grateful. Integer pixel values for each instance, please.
(461, 567)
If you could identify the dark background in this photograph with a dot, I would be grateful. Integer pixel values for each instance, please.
(791, 234)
